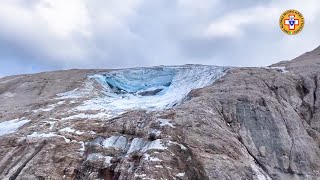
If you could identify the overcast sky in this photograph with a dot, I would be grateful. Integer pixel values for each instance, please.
(42, 35)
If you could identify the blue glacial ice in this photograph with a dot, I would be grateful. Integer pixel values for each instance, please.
(150, 89)
(137, 80)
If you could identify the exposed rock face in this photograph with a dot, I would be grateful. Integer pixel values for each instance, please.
(252, 123)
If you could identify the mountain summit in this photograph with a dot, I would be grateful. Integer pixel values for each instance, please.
(178, 122)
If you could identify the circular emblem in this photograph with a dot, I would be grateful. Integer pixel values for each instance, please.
(291, 22)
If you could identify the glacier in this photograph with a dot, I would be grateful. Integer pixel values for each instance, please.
(150, 89)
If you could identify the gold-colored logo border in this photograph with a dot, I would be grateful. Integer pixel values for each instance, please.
(285, 15)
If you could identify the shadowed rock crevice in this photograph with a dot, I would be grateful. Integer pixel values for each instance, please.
(263, 132)
(256, 160)
(20, 168)
(316, 81)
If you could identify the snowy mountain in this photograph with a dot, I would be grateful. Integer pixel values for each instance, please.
(178, 122)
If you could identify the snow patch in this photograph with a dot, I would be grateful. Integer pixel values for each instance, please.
(9, 95)
(118, 142)
(140, 175)
(147, 157)
(280, 68)
(165, 122)
(100, 115)
(95, 156)
(42, 135)
(47, 135)
(82, 146)
(73, 94)
(47, 109)
(155, 132)
(99, 157)
(108, 159)
(141, 145)
(181, 146)
(283, 69)
(60, 102)
(8, 127)
(259, 173)
(78, 92)
(70, 130)
(180, 174)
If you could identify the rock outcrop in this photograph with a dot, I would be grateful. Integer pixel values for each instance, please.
(251, 123)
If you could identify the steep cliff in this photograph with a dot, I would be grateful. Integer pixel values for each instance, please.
(184, 122)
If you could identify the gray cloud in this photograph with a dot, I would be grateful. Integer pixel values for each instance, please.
(58, 34)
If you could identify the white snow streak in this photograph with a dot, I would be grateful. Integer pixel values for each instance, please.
(180, 174)
(46, 135)
(100, 115)
(181, 146)
(282, 69)
(9, 94)
(258, 173)
(8, 127)
(98, 157)
(147, 157)
(118, 142)
(70, 130)
(165, 122)
(141, 145)
(47, 109)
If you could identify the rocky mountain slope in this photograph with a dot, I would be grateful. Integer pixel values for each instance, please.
(184, 122)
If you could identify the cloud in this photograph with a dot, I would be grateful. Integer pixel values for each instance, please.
(233, 24)
(64, 17)
(37, 32)
(76, 33)
(250, 35)
(59, 34)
